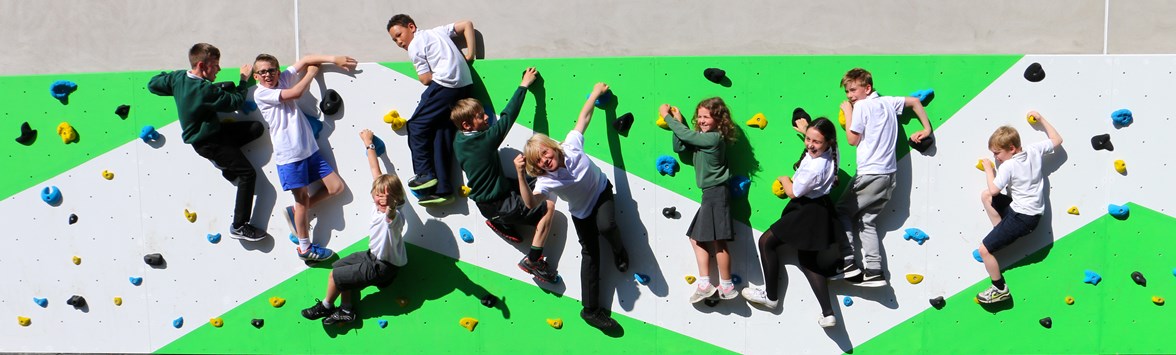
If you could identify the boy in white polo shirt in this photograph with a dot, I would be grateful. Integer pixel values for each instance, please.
(295, 149)
(1016, 214)
(442, 67)
(871, 125)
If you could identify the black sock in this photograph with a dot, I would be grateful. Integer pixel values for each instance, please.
(534, 254)
(1000, 284)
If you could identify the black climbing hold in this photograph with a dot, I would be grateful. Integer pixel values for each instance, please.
(938, 302)
(1102, 142)
(1138, 278)
(623, 123)
(922, 147)
(1046, 322)
(226, 85)
(800, 114)
(257, 323)
(711, 302)
(27, 134)
(1034, 73)
(331, 102)
(123, 111)
(715, 75)
(154, 259)
(76, 301)
(489, 301)
(670, 212)
(73, 218)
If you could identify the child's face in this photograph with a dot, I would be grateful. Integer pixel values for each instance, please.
(380, 198)
(706, 123)
(1002, 154)
(402, 35)
(266, 74)
(814, 142)
(208, 69)
(480, 122)
(548, 159)
(855, 91)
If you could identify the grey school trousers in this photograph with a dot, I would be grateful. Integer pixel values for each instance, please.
(858, 208)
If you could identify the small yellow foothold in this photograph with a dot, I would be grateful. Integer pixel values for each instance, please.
(1073, 210)
(106, 174)
(980, 165)
(24, 321)
(1159, 301)
(977, 300)
(469, 323)
(690, 279)
(77, 260)
(68, 133)
(841, 118)
(914, 279)
(465, 191)
(118, 301)
(216, 322)
(1070, 300)
(1031, 118)
(277, 301)
(758, 121)
(661, 122)
(1121, 166)
(190, 216)
(555, 323)
(778, 189)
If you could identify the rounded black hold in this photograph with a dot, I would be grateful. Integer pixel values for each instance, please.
(624, 123)
(1046, 322)
(76, 301)
(670, 212)
(1034, 73)
(122, 111)
(710, 302)
(154, 259)
(1102, 142)
(489, 301)
(800, 114)
(938, 302)
(73, 218)
(715, 75)
(331, 102)
(257, 323)
(27, 134)
(1138, 278)
(923, 145)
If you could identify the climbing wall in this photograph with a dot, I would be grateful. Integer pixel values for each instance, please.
(141, 211)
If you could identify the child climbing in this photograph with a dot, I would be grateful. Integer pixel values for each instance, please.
(197, 102)
(376, 266)
(497, 196)
(710, 230)
(871, 125)
(565, 170)
(1016, 214)
(808, 222)
(295, 150)
(440, 66)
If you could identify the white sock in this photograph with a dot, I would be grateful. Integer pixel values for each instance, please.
(726, 283)
(304, 244)
(703, 282)
(328, 304)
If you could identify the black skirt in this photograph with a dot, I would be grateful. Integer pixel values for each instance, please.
(807, 224)
(713, 220)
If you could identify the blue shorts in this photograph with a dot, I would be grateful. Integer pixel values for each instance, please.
(303, 172)
(1012, 225)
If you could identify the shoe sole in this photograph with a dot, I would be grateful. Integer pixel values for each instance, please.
(436, 202)
(846, 275)
(241, 237)
(423, 186)
(872, 283)
(733, 295)
(537, 276)
(695, 298)
(502, 235)
(998, 299)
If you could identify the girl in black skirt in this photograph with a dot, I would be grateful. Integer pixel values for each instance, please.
(807, 222)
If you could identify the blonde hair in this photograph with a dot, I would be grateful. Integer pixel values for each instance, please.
(534, 150)
(464, 111)
(857, 75)
(391, 184)
(1004, 137)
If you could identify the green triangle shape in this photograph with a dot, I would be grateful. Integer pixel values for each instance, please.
(1116, 316)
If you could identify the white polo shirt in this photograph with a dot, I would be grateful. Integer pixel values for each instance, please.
(876, 120)
(1021, 174)
(386, 240)
(291, 134)
(579, 182)
(814, 178)
(433, 51)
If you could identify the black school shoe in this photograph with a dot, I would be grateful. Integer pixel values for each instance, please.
(341, 315)
(598, 318)
(318, 310)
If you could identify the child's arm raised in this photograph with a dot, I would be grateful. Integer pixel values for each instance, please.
(1050, 132)
(589, 106)
(373, 162)
(990, 176)
(295, 92)
(529, 197)
(688, 136)
(465, 29)
(917, 106)
(510, 113)
(345, 62)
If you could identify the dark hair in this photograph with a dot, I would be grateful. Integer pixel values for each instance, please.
(722, 116)
(401, 20)
(266, 58)
(201, 52)
(825, 127)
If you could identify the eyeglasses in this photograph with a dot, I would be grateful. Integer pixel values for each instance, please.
(270, 71)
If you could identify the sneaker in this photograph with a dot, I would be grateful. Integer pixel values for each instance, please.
(622, 260)
(504, 231)
(869, 278)
(341, 315)
(993, 295)
(598, 318)
(435, 200)
(540, 269)
(288, 212)
(247, 232)
(759, 296)
(848, 271)
(315, 253)
(318, 310)
(727, 292)
(421, 182)
(827, 321)
(702, 293)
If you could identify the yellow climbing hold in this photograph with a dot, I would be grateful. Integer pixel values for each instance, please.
(841, 118)
(118, 301)
(980, 165)
(1031, 118)
(106, 174)
(277, 301)
(555, 323)
(1073, 210)
(465, 191)
(216, 322)
(77, 260)
(914, 279)
(690, 279)
(469, 323)
(1070, 300)
(976, 299)
(758, 121)
(24, 321)
(661, 122)
(1159, 301)
(1121, 166)
(68, 133)
(393, 118)
(778, 189)
(190, 216)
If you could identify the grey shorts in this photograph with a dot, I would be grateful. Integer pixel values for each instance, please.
(511, 209)
(362, 269)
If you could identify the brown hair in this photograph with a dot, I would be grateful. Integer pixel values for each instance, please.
(464, 111)
(201, 52)
(534, 150)
(391, 184)
(1004, 137)
(266, 58)
(857, 75)
(722, 115)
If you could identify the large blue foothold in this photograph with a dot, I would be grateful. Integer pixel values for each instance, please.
(43, 302)
(214, 238)
(51, 195)
(316, 126)
(739, 185)
(466, 236)
(641, 279)
(847, 301)
(61, 89)
(179, 322)
(135, 280)
(382, 323)
(1092, 278)
(667, 165)
(917, 234)
(976, 255)
(248, 106)
(1119, 211)
(148, 134)
(923, 95)
(1122, 118)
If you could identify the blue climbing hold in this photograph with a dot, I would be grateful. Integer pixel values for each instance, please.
(466, 236)
(923, 95)
(316, 126)
(51, 195)
(667, 165)
(1092, 278)
(976, 255)
(739, 185)
(43, 302)
(135, 280)
(248, 106)
(380, 147)
(916, 234)
(214, 238)
(179, 322)
(1118, 211)
(293, 239)
(1122, 118)
(61, 89)
(641, 279)
(382, 323)
(847, 301)
(148, 134)
(735, 279)
(603, 99)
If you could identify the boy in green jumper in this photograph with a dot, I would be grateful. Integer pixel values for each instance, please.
(197, 102)
(497, 197)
